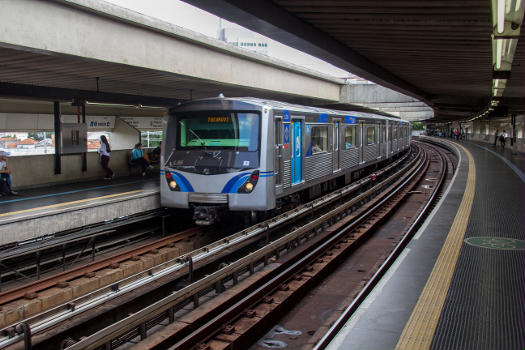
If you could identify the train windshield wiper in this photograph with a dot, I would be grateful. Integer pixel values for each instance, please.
(203, 143)
(169, 157)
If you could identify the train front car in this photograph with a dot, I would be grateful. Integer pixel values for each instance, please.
(214, 160)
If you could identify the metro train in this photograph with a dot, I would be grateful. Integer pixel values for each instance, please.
(252, 155)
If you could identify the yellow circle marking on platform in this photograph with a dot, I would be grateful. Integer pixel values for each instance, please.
(68, 203)
(420, 328)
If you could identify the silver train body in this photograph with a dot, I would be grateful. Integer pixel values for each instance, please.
(247, 154)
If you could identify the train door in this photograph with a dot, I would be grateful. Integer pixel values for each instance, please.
(388, 138)
(278, 154)
(337, 147)
(297, 151)
(382, 140)
(362, 143)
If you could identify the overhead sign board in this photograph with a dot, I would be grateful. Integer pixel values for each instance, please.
(92, 121)
(143, 123)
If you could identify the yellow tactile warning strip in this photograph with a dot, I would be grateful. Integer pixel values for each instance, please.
(420, 328)
(69, 203)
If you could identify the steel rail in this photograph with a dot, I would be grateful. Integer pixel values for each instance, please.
(133, 321)
(51, 281)
(36, 254)
(288, 272)
(63, 312)
(348, 312)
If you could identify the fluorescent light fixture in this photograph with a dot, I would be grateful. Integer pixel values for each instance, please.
(497, 92)
(503, 50)
(511, 47)
(499, 83)
(501, 16)
(507, 17)
(499, 53)
(121, 105)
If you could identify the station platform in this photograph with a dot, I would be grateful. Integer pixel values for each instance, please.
(39, 212)
(460, 282)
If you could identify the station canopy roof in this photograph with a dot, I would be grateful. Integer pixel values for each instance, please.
(440, 52)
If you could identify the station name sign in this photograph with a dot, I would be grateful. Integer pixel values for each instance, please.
(144, 123)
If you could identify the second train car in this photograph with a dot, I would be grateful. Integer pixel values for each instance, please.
(253, 155)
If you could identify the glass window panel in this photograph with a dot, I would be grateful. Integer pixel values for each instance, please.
(350, 139)
(370, 136)
(237, 131)
(319, 137)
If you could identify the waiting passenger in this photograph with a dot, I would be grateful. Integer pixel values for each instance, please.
(138, 157)
(5, 173)
(104, 152)
(503, 138)
(154, 156)
(316, 149)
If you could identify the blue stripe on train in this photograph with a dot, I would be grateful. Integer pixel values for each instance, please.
(234, 183)
(184, 184)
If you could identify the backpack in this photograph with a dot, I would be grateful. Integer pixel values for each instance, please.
(4, 189)
(501, 138)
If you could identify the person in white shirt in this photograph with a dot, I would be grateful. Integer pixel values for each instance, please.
(104, 152)
(503, 138)
(5, 173)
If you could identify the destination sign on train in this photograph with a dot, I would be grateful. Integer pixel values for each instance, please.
(218, 119)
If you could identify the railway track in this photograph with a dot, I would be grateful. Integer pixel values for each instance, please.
(30, 260)
(306, 229)
(240, 323)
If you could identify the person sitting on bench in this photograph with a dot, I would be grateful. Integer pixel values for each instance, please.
(139, 157)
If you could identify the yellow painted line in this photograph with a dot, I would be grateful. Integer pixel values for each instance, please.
(420, 328)
(69, 203)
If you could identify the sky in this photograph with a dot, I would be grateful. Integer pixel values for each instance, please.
(190, 17)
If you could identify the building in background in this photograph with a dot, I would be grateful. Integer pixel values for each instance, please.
(243, 38)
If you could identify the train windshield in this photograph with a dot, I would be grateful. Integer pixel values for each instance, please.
(219, 131)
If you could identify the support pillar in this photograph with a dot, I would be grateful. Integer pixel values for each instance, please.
(84, 154)
(58, 138)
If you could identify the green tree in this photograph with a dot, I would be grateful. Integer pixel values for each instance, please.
(35, 136)
(417, 126)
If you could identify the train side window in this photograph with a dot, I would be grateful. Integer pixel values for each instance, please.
(395, 132)
(350, 140)
(370, 136)
(319, 139)
(383, 134)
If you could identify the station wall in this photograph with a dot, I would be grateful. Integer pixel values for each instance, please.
(39, 170)
(484, 131)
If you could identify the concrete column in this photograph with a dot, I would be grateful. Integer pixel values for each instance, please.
(58, 138)
(84, 154)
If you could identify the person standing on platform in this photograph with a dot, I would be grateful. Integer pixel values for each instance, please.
(496, 137)
(138, 157)
(104, 152)
(503, 138)
(5, 173)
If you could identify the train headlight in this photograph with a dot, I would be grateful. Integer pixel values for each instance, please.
(249, 184)
(172, 184)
